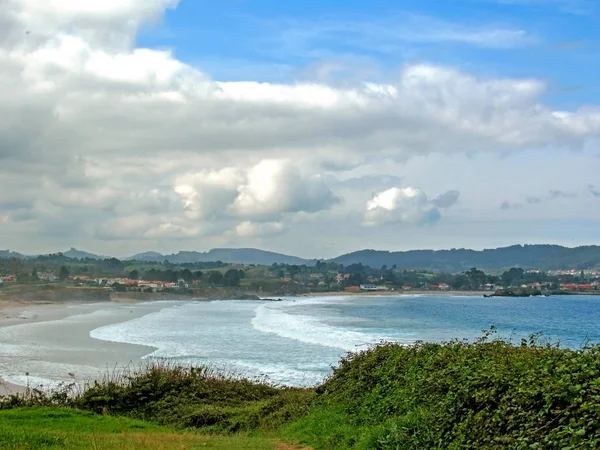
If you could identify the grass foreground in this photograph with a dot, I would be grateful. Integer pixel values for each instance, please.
(488, 394)
(61, 428)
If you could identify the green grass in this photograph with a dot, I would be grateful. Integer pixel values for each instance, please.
(490, 394)
(54, 428)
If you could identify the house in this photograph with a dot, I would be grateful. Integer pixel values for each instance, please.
(9, 278)
(368, 287)
(444, 287)
(352, 289)
(577, 287)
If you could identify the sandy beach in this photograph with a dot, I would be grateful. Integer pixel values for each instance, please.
(42, 345)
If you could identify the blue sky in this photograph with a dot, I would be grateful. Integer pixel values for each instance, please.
(557, 41)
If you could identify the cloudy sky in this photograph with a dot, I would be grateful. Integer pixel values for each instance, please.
(310, 128)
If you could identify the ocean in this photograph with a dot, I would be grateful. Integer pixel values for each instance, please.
(293, 342)
(297, 341)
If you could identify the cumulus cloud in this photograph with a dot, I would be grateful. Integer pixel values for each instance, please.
(447, 199)
(401, 205)
(254, 229)
(101, 139)
(261, 193)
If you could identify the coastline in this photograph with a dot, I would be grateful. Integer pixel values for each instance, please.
(62, 330)
(395, 293)
(42, 344)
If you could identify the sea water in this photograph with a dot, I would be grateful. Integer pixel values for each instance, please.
(298, 341)
(293, 342)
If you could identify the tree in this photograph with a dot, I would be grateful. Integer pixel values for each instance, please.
(134, 275)
(187, 275)
(63, 274)
(215, 277)
(477, 278)
(293, 271)
(233, 277)
(389, 277)
(198, 275)
(23, 277)
(34, 274)
(512, 277)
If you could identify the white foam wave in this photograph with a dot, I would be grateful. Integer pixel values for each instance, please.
(308, 329)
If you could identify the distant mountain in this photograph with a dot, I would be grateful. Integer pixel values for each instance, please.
(226, 255)
(544, 257)
(148, 256)
(74, 253)
(7, 254)
(254, 256)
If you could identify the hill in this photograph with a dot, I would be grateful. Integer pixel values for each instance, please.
(148, 257)
(226, 255)
(544, 257)
(74, 253)
(7, 254)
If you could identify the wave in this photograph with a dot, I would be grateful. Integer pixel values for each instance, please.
(273, 319)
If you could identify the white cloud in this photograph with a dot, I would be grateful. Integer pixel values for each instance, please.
(263, 192)
(401, 205)
(254, 229)
(274, 187)
(103, 140)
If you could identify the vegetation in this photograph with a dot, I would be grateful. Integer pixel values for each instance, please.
(218, 280)
(488, 394)
(543, 257)
(54, 428)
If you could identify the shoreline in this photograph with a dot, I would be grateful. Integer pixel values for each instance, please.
(42, 344)
(411, 292)
(51, 340)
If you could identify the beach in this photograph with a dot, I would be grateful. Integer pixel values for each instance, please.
(44, 344)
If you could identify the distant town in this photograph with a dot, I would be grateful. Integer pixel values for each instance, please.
(206, 278)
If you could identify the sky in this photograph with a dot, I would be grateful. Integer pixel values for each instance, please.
(303, 127)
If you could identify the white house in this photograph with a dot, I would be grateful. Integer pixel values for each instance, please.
(368, 287)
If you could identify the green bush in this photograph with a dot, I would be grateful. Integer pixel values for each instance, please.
(489, 394)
